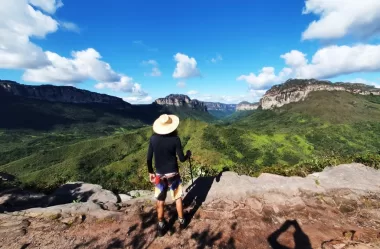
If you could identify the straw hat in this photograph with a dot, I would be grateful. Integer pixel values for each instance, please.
(165, 124)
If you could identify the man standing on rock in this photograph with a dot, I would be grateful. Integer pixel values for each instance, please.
(165, 145)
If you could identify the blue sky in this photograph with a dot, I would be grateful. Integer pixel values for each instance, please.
(226, 51)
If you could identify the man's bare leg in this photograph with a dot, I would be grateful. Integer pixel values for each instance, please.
(179, 206)
(160, 210)
(181, 218)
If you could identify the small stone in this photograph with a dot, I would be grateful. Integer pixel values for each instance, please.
(329, 201)
(140, 193)
(110, 206)
(125, 198)
(339, 246)
(276, 210)
(70, 220)
(254, 204)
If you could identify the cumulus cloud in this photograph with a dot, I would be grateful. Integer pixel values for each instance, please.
(155, 70)
(22, 20)
(192, 92)
(256, 94)
(295, 58)
(125, 84)
(334, 60)
(181, 84)
(186, 67)
(265, 78)
(326, 63)
(139, 100)
(340, 18)
(84, 65)
(18, 22)
(49, 6)
(216, 59)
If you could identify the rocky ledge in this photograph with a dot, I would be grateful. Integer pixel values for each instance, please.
(295, 90)
(336, 208)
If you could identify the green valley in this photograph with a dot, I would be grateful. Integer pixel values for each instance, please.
(46, 144)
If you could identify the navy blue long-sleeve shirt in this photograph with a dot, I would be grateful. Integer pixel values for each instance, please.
(165, 149)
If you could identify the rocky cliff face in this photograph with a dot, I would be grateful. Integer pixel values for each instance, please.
(216, 106)
(297, 90)
(246, 106)
(66, 94)
(181, 100)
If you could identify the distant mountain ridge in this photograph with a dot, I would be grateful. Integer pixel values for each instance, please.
(217, 106)
(295, 90)
(73, 95)
(65, 94)
(246, 106)
(181, 100)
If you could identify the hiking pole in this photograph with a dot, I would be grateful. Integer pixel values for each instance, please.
(191, 172)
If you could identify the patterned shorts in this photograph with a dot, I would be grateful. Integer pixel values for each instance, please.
(174, 184)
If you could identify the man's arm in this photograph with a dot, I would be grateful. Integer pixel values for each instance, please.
(149, 159)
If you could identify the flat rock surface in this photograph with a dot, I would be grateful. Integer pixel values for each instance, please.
(269, 212)
(81, 192)
(356, 177)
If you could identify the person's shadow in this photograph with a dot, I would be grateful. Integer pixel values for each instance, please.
(197, 193)
(301, 240)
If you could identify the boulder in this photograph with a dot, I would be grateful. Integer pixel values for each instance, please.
(81, 192)
(125, 198)
(140, 193)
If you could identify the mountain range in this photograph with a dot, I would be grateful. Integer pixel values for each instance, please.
(69, 134)
(293, 90)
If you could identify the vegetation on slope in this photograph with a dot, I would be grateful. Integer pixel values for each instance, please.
(327, 128)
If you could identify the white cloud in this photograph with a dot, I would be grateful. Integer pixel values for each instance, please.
(334, 60)
(326, 63)
(265, 78)
(155, 70)
(126, 84)
(192, 92)
(70, 26)
(216, 59)
(186, 67)
(84, 65)
(18, 22)
(295, 58)
(181, 84)
(139, 100)
(49, 6)
(256, 94)
(22, 20)
(340, 18)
